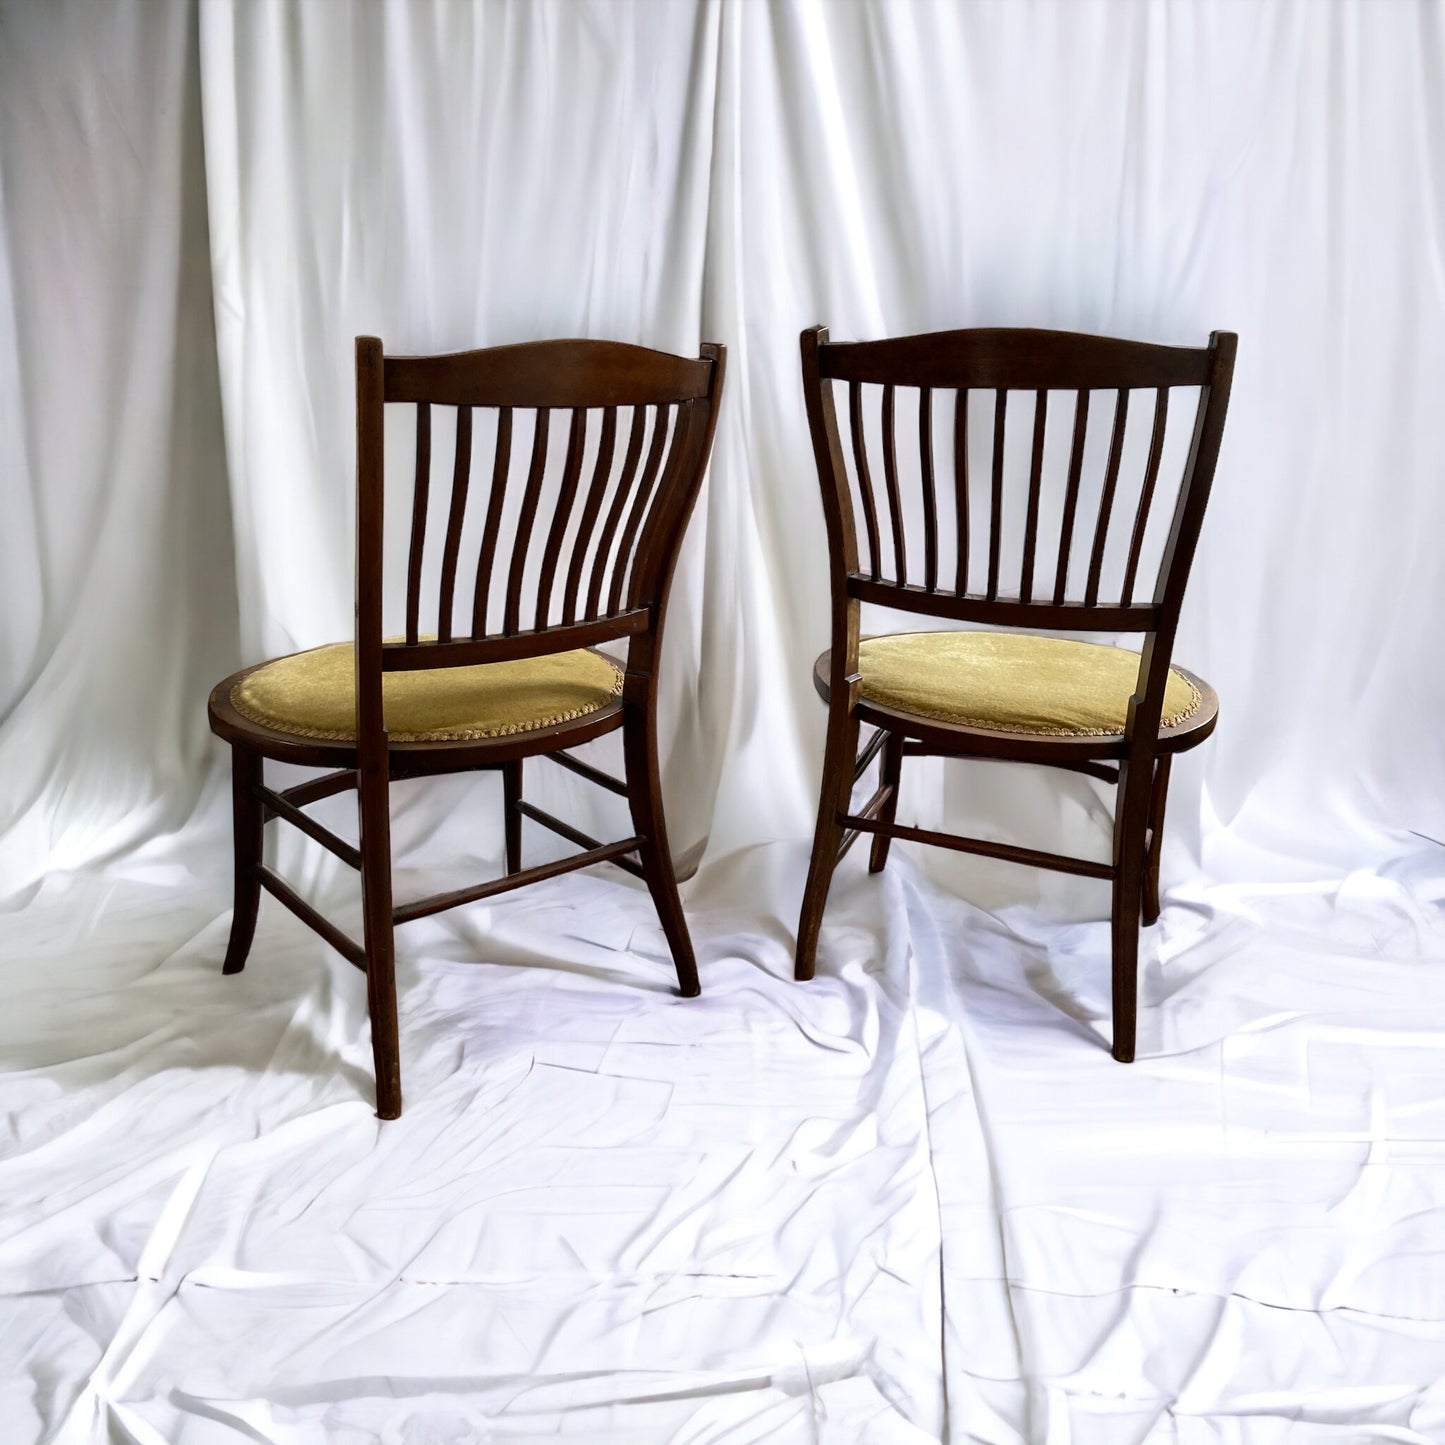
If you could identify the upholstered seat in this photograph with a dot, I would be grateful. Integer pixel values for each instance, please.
(313, 695)
(1014, 682)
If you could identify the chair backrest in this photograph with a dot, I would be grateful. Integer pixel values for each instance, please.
(566, 555)
(1063, 586)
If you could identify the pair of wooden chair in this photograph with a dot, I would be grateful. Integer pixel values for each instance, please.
(584, 554)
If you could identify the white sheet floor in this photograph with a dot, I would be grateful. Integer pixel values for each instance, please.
(913, 1200)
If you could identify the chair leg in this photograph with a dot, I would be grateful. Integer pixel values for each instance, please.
(512, 819)
(248, 822)
(644, 797)
(1156, 840)
(1130, 823)
(890, 773)
(373, 787)
(839, 759)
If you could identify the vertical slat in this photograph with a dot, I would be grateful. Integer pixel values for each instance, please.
(501, 468)
(591, 508)
(630, 460)
(561, 514)
(890, 482)
(960, 487)
(418, 518)
(995, 519)
(461, 476)
(1036, 472)
(1071, 492)
(639, 506)
(865, 482)
(1146, 495)
(930, 501)
(511, 617)
(1106, 501)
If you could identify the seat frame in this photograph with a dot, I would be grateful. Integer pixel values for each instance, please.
(1137, 760)
(640, 557)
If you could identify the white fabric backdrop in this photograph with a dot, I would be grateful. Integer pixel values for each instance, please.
(914, 1199)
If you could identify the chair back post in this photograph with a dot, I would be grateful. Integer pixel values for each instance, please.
(370, 508)
(660, 544)
(837, 514)
(1147, 705)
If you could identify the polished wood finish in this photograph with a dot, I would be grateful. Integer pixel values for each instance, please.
(1014, 359)
(461, 480)
(248, 822)
(609, 582)
(277, 805)
(512, 813)
(890, 775)
(576, 835)
(531, 374)
(1136, 760)
(440, 902)
(1071, 500)
(282, 891)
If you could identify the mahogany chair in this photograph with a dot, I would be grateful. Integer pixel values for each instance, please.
(518, 675)
(1027, 696)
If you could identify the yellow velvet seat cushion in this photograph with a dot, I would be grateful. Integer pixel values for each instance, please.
(313, 695)
(1014, 682)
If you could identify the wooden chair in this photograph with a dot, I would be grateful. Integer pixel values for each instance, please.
(1026, 697)
(520, 676)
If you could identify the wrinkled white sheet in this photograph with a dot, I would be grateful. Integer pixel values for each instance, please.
(915, 1199)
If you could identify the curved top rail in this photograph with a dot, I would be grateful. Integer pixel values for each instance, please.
(1015, 359)
(562, 373)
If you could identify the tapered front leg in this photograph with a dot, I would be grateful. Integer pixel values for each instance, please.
(839, 758)
(512, 818)
(248, 821)
(374, 804)
(644, 797)
(1130, 822)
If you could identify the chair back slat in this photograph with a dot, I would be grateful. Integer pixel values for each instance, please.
(461, 478)
(620, 497)
(960, 485)
(622, 559)
(512, 616)
(561, 515)
(1071, 493)
(995, 506)
(591, 510)
(930, 502)
(1106, 499)
(418, 519)
(496, 500)
(1036, 475)
(865, 479)
(890, 483)
(1036, 492)
(1146, 492)
(573, 550)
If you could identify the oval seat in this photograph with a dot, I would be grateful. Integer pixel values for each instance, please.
(1016, 682)
(313, 695)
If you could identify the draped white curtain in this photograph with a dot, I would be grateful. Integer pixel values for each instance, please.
(447, 174)
(453, 174)
(201, 203)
